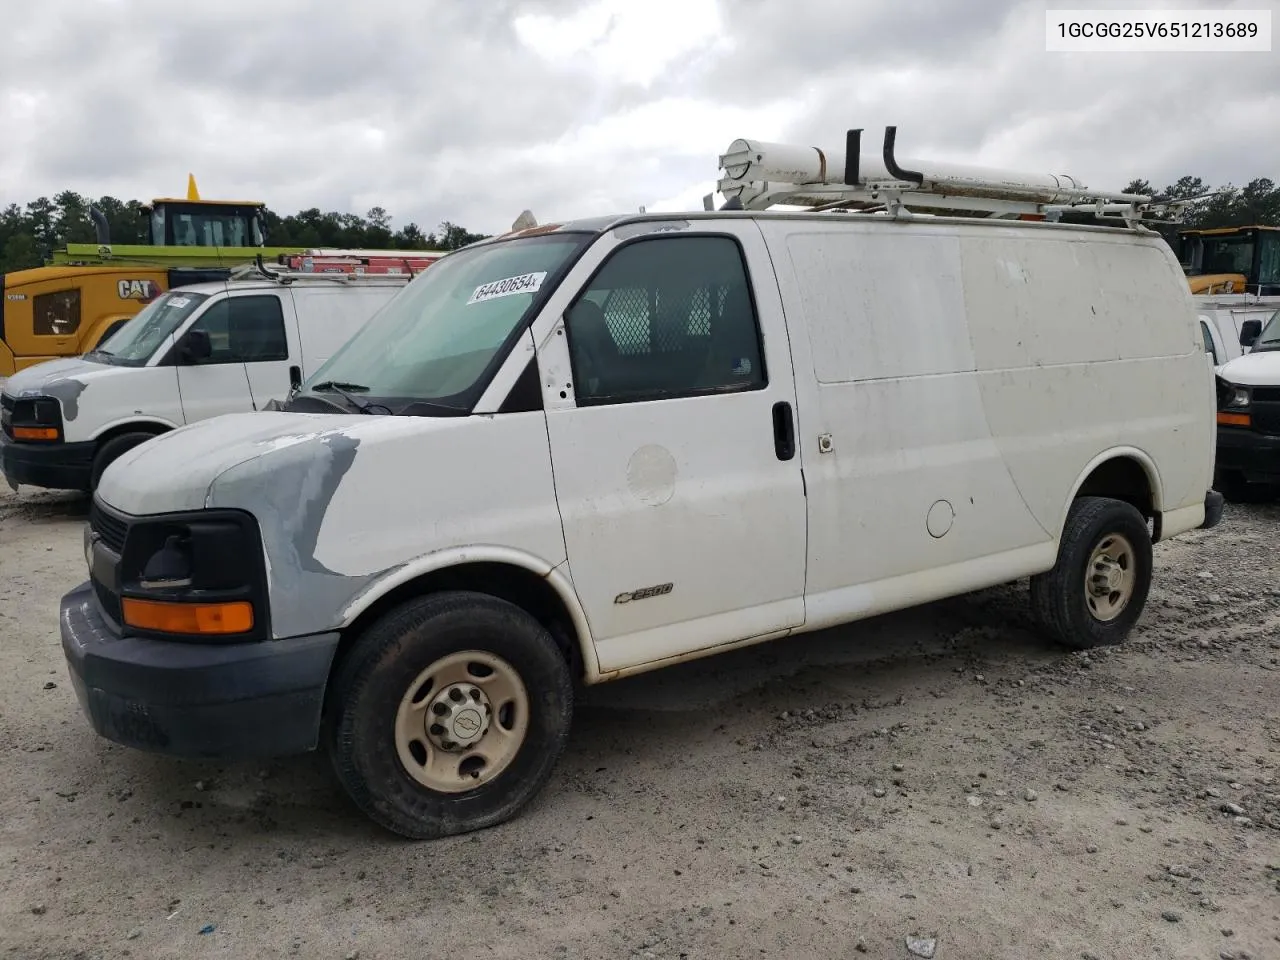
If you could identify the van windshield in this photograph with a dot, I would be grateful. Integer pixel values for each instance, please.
(436, 340)
(134, 343)
(1269, 338)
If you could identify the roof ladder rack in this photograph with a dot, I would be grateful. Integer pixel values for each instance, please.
(758, 175)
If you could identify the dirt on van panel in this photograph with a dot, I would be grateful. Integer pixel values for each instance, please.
(940, 782)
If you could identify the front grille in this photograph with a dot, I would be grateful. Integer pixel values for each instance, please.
(7, 403)
(108, 602)
(110, 528)
(1265, 418)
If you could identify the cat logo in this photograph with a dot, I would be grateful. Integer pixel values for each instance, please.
(644, 593)
(144, 290)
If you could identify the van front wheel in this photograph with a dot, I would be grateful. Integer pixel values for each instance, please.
(1097, 590)
(112, 450)
(449, 715)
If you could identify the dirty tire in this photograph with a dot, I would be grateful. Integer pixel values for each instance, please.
(110, 451)
(382, 669)
(1059, 598)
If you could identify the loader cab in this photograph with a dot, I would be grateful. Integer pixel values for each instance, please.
(1232, 260)
(204, 223)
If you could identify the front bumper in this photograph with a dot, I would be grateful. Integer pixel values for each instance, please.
(1253, 456)
(210, 700)
(54, 466)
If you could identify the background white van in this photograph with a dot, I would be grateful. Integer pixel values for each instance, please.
(1231, 323)
(194, 352)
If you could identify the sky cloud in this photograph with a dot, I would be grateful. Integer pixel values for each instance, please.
(471, 112)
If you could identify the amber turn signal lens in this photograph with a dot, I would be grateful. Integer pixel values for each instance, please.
(35, 433)
(197, 618)
(1233, 419)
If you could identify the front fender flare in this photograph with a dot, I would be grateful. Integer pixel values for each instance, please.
(556, 575)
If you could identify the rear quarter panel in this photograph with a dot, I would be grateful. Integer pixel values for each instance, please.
(1086, 343)
(987, 366)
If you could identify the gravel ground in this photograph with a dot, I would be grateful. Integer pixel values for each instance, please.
(939, 778)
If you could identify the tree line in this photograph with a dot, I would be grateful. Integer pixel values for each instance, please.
(1256, 203)
(28, 234)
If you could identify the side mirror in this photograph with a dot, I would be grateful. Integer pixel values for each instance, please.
(295, 378)
(196, 346)
(1249, 331)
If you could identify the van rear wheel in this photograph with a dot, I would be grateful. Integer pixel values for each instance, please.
(449, 715)
(1098, 588)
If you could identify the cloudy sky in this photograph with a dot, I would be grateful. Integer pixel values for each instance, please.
(471, 110)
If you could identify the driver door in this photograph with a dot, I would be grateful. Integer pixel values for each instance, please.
(238, 328)
(673, 439)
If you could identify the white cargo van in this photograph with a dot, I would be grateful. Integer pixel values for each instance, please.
(194, 352)
(1248, 443)
(1231, 323)
(590, 449)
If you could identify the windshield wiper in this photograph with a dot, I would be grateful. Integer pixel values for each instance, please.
(343, 389)
(426, 406)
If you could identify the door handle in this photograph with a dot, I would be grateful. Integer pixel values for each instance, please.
(784, 431)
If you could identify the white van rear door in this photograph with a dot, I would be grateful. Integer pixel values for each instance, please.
(673, 442)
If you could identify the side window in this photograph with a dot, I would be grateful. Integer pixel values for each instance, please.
(245, 330)
(56, 314)
(666, 317)
(1208, 342)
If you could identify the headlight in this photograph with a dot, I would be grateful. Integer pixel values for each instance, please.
(199, 574)
(36, 418)
(1238, 398)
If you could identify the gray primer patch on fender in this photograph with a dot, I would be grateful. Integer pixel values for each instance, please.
(67, 392)
(289, 490)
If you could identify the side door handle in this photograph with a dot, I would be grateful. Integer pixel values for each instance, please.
(784, 431)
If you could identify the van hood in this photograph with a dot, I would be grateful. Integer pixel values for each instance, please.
(64, 380)
(1260, 369)
(176, 470)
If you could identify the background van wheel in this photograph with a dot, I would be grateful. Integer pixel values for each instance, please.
(1098, 588)
(112, 450)
(449, 715)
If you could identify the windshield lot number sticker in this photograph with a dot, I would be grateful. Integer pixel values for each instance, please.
(525, 283)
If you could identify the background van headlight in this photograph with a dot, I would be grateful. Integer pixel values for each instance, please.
(1234, 405)
(1239, 398)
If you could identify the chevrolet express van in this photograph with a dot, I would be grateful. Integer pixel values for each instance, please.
(193, 352)
(1231, 324)
(1248, 442)
(580, 451)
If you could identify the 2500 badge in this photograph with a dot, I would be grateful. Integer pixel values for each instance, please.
(644, 593)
